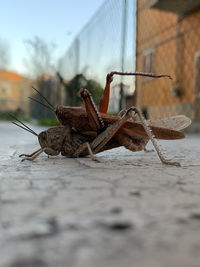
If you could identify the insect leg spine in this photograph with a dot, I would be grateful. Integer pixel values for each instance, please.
(150, 134)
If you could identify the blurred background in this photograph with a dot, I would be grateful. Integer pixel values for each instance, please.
(61, 46)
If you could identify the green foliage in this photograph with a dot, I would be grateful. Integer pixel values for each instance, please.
(95, 89)
(5, 116)
(51, 90)
(49, 122)
(46, 88)
(21, 117)
(79, 81)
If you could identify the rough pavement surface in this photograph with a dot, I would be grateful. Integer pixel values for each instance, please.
(129, 210)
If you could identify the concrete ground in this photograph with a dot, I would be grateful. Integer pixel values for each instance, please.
(129, 210)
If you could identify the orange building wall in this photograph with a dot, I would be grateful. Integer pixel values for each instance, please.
(14, 92)
(175, 42)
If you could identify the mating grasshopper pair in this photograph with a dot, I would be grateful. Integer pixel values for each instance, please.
(91, 130)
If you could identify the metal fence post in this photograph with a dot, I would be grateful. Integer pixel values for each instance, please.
(123, 50)
(76, 68)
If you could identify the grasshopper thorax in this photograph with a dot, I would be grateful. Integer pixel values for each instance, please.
(60, 114)
(70, 116)
(52, 138)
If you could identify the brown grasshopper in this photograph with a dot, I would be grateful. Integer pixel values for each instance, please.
(91, 120)
(110, 136)
(57, 140)
(131, 134)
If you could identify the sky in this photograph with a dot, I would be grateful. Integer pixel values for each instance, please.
(55, 21)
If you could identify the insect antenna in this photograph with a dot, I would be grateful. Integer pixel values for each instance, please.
(41, 103)
(25, 126)
(44, 98)
(140, 74)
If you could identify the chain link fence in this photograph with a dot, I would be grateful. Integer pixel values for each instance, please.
(106, 43)
(140, 36)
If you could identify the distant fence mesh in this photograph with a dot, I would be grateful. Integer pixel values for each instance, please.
(105, 44)
(134, 36)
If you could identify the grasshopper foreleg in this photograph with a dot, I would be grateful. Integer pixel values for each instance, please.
(85, 147)
(35, 154)
(29, 155)
(104, 102)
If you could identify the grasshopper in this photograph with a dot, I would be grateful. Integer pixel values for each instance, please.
(91, 120)
(106, 131)
(57, 140)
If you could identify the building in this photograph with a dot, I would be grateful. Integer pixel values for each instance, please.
(168, 42)
(14, 92)
(51, 88)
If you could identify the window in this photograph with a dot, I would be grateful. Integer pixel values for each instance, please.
(145, 112)
(149, 61)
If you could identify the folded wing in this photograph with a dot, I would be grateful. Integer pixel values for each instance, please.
(177, 123)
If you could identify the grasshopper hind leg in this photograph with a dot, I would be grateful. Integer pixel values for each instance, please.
(122, 113)
(152, 138)
(133, 145)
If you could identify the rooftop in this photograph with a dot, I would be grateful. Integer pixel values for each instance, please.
(6, 75)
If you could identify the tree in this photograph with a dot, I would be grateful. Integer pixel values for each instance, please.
(41, 57)
(47, 88)
(73, 87)
(4, 54)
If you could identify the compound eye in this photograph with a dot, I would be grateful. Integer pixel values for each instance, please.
(58, 111)
(44, 135)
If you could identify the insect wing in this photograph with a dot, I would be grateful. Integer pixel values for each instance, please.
(177, 123)
(135, 129)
